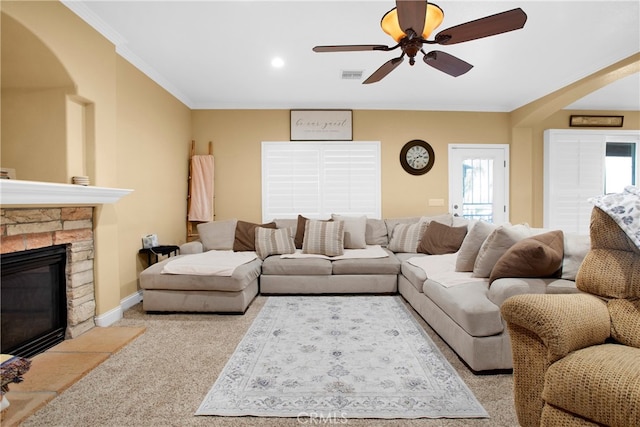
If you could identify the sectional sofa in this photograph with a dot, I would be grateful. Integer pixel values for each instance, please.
(454, 272)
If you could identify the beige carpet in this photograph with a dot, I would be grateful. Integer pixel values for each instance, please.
(161, 378)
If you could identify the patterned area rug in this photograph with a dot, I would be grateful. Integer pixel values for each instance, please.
(339, 357)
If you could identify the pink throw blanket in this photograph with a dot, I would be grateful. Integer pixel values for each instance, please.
(201, 191)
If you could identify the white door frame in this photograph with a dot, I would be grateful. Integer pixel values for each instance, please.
(453, 166)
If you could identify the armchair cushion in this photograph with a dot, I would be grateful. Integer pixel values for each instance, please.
(584, 382)
(625, 321)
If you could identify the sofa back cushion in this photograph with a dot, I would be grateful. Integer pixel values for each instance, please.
(355, 228)
(376, 232)
(576, 247)
(217, 235)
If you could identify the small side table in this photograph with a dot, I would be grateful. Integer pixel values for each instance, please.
(159, 250)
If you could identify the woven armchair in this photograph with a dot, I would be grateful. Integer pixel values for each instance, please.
(576, 358)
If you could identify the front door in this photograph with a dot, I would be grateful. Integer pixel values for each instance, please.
(479, 181)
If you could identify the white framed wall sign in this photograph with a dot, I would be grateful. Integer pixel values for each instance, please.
(321, 125)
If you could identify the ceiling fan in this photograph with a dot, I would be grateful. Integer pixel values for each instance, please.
(411, 22)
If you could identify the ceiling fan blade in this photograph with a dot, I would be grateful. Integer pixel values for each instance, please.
(484, 27)
(385, 69)
(447, 63)
(411, 14)
(350, 48)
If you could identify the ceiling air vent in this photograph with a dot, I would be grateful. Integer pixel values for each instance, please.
(352, 74)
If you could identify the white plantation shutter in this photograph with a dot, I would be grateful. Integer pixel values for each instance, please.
(316, 179)
(574, 171)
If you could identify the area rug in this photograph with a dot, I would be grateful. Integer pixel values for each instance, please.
(339, 357)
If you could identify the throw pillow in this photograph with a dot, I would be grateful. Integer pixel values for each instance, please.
(217, 235)
(536, 256)
(245, 236)
(355, 228)
(274, 241)
(496, 244)
(471, 245)
(406, 237)
(440, 239)
(299, 237)
(323, 238)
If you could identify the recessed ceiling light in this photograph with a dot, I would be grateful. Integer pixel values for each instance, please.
(277, 62)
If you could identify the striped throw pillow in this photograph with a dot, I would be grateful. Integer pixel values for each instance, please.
(270, 241)
(324, 238)
(406, 237)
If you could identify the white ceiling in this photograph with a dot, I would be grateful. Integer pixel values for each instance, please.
(217, 54)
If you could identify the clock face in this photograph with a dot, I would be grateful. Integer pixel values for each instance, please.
(417, 157)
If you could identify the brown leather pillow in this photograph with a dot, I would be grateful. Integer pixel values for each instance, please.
(535, 256)
(439, 239)
(245, 238)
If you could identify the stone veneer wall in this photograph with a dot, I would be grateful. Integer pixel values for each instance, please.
(32, 228)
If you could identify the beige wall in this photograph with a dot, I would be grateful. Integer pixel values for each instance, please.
(237, 135)
(153, 137)
(135, 135)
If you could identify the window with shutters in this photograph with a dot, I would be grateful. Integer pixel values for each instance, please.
(580, 164)
(316, 179)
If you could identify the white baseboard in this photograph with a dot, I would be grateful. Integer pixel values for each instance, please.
(115, 314)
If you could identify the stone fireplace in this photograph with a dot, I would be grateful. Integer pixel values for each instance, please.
(31, 228)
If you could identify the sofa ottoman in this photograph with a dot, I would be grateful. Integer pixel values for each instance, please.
(198, 293)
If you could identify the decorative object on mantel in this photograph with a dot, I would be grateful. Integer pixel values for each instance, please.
(596, 121)
(80, 180)
(410, 24)
(7, 173)
(321, 125)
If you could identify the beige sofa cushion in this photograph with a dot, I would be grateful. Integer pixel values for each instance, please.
(468, 306)
(274, 265)
(218, 235)
(242, 276)
(376, 232)
(388, 265)
(471, 245)
(355, 228)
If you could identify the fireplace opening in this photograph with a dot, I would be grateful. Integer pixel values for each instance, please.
(34, 302)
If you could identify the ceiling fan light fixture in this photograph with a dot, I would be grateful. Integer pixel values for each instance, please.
(391, 26)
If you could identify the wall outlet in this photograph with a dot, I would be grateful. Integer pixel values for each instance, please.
(436, 202)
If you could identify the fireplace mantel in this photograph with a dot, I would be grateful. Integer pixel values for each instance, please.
(17, 192)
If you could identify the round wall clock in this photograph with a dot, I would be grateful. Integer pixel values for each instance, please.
(417, 157)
